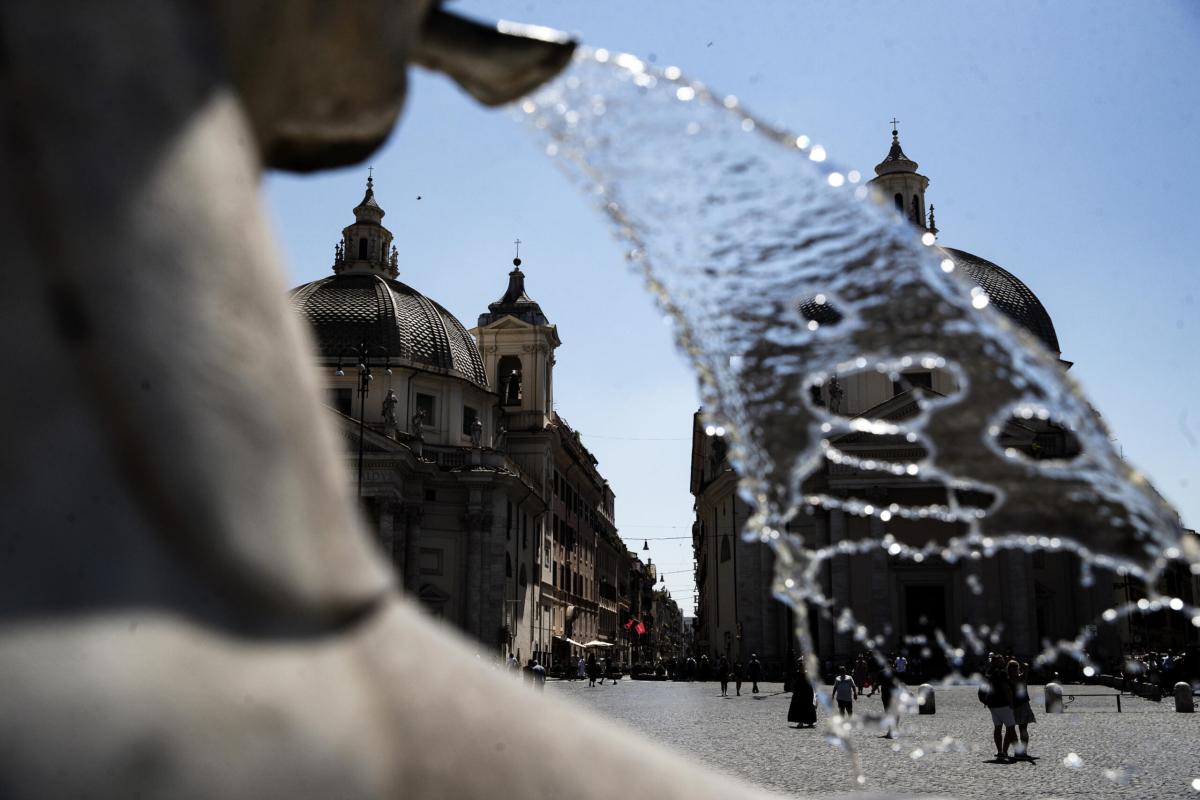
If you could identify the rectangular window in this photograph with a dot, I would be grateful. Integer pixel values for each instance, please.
(430, 561)
(469, 417)
(428, 404)
(342, 400)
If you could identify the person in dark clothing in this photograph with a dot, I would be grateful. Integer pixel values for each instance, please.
(803, 708)
(997, 694)
(887, 690)
(593, 670)
(723, 675)
(755, 669)
(738, 672)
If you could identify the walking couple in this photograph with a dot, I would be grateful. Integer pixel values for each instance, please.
(1006, 695)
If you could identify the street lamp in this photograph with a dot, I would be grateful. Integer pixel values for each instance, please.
(364, 355)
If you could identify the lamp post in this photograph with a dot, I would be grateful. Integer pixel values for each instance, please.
(364, 354)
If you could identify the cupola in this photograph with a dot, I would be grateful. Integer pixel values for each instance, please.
(897, 179)
(366, 245)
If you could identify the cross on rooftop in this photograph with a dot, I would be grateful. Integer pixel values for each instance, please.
(518, 244)
(895, 122)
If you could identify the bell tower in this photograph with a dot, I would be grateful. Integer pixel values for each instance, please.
(897, 179)
(517, 343)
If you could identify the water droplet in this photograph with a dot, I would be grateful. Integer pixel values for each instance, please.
(685, 93)
(818, 153)
(802, 142)
(747, 125)
(917, 754)
(672, 73)
(947, 265)
(927, 238)
(836, 179)
(1072, 761)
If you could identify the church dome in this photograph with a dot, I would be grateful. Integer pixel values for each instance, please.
(1008, 294)
(363, 301)
(345, 309)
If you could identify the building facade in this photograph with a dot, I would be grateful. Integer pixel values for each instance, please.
(493, 513)
(1026, 598)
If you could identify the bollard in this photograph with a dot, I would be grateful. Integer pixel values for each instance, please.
(1184, 704)
(1054, 701)
(925, 700)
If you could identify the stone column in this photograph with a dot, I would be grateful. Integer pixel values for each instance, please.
(825, 628)
(386, 531)
(882, 607)
(473, 521)
(412, 542)
(1017, 604)
(840, 582)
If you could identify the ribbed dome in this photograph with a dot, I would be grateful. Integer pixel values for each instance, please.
(348, 308)
(1006, 292)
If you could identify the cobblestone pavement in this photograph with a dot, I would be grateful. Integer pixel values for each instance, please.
(1147, 752)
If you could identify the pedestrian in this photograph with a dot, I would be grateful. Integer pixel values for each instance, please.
(539, 676)
(901, 667)
(755, 669)
(738, 672)
(1022, 710)
(803, 708)
(593, 669)
(581, 669)
(511, 662)
(527, 671)
(723, 675)
(887, 690)
(845, 692)
(690, 669)
(861, 675)
(996, 693)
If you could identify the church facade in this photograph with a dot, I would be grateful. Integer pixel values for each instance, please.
(1024, 598)
(493, 513)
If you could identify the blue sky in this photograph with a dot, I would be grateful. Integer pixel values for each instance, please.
(1062, 140)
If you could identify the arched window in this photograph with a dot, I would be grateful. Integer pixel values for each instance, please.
(523, 580)
(725, 549)
(916, 210)
(507, 565)
(508, 381)
(362, 249)
(900, 202)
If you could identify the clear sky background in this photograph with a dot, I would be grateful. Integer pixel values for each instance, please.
(1062, 140)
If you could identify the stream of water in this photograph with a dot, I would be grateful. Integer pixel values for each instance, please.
(782, 272)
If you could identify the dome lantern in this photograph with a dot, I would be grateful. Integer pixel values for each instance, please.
(897, 177)
(366, 245)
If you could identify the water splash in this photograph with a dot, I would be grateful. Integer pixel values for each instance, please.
(787, 278)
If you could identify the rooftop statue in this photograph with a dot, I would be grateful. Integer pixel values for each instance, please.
(188, 610)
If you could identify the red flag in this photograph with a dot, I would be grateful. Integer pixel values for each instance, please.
(629, 624)
(641, 628)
